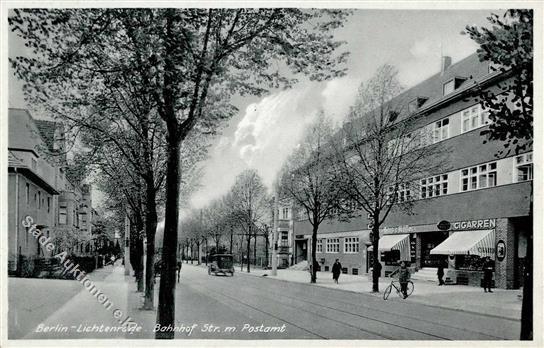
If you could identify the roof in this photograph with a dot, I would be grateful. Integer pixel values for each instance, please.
(47, 131)
(14, 161)
(471, 69)
(23, 133)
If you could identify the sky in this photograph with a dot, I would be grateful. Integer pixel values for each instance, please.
(266, 130)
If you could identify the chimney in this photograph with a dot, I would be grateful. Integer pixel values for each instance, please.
(446, 62)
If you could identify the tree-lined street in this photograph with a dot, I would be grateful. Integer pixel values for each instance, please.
(140, 105)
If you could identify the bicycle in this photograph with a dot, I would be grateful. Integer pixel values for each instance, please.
(395, 284)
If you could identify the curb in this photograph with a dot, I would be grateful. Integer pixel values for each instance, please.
(368, 294)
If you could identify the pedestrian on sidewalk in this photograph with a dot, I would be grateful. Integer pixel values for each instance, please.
(404, 277)
(376, 275)
(440, 273)
(488, 274)
(179, 269)
(336, 269)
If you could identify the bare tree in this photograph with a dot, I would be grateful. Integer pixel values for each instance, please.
(250, 204)
(308, 181)
(380, 153)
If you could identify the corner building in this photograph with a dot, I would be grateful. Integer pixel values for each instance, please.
(478, 206)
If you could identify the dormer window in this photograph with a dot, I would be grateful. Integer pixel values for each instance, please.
(451, 85)
(415, 104)
(393, 115)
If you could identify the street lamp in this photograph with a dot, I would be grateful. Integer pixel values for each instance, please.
(275, 235)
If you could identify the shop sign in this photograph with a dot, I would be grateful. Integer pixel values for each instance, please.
(481, 224)
(501, 250)
(397, 230)
(443, 225)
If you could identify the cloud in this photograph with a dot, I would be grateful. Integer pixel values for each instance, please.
(268, 132)
(424, 48)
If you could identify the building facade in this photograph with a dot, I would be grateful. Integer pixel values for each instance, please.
(478, 205)
(38, 188)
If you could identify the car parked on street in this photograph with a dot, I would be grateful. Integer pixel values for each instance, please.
(221, 263)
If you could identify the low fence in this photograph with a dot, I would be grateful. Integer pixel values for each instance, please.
(51, 268)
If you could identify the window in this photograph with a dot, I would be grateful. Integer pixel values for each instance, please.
(523, 167)
(27, 194)
(434, 186)
(355, 271)
(351, 245)
(39, 199)
(403, 193)
(333, 245)
(449, 87)
(441, 130)
(319, 246)
(478, 177)
(474, 117)
(285, 214)
(48, 204)
(344, 270)
(36, 199)
(62, 215)
(284, 239)
(33, 164)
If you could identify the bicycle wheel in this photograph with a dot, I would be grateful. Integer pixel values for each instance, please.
(410, 288)
(387, 292)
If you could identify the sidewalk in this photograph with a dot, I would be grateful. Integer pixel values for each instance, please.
(83, 313)
(501, 303)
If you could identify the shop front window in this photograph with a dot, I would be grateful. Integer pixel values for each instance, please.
(470, 262)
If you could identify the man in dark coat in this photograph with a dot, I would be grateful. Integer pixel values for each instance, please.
(376, 275)
(440, 273)
(336, 270)
(488, 274)
(178, 266)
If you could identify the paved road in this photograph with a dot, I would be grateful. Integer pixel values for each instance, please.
(248, 303)
(33, 301)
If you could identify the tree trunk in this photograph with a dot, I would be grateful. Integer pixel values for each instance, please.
(231, 236)
(375, 256)
(206, 252)
(267, 245)
(198, 252)
(248, 251)
(255, 249)
(167, 306)
(139, 252)
(151, 228)
(313, 278)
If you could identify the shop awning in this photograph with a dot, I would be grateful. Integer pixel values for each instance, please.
(399, 242)
(479, 242)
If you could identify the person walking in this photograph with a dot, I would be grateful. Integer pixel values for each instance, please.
(488, 274)
(179, 269)
(376, 276)
(404, 277)
(440, 273)
(336, 270)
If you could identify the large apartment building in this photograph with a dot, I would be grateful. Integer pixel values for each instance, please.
(38, 187)
(478, 206)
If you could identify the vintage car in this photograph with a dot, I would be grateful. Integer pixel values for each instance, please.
(221, 263)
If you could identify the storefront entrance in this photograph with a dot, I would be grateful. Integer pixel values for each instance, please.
(428, 242)
(301, 250)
